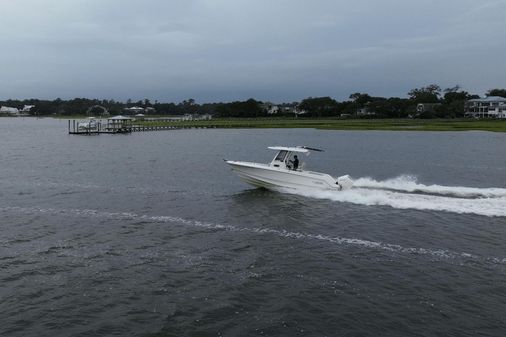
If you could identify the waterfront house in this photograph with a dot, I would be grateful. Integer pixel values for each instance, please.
(135, 110)
(489, 107)
(27, 109)
(273, 109)
(298, 111)
(270, 108)
(6, 110)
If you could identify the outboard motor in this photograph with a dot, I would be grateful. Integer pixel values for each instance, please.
(345, 182)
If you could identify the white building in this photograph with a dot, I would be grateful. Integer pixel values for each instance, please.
(204, 117)
(297, 111)
(135, 110)
(273, 109)
(270, 108)
(489, 107)
(27, 108)
(6, 110)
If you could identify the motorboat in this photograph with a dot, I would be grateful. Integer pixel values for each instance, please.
(283, 172)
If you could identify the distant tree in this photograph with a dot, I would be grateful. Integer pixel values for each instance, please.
(208, 108)
(393, 107)
(319, 106)
(43, 108)
(188, 107)
(360, 99)
(167, 109)
(96, 111)
(35, 111)
(496, 92)
(428, 94)
(455, 88)
(454, 94)
(454, 101)
(249, 108)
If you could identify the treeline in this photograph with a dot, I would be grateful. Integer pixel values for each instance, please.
(82, 106)
(441, 103)
(437, 103)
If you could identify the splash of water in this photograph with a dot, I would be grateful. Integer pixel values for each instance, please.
(405, 192)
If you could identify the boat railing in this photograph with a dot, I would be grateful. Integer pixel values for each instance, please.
(317, 173)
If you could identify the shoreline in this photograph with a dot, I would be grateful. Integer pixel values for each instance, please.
(346, 124)
(491, 125)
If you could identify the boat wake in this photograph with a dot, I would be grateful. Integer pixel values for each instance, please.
(434, 253)
(404, 192)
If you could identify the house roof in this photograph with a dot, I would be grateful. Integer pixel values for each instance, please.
(120, 118)
(489, 99)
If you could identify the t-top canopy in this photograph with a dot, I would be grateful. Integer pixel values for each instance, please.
(288, 148)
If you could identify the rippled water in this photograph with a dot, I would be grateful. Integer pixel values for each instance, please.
(151, 234)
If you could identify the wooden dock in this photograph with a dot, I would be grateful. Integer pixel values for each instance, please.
(80, 128)
(74, 128)
(140, 128)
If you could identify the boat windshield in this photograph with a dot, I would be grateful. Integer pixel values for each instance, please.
(281, 156)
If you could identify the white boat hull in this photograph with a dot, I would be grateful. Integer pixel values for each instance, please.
(262, 175)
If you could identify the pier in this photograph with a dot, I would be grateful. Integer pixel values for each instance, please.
(95, 128)
(125, 126)
(105, 128)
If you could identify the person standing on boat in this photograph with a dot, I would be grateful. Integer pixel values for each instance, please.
(295, 162)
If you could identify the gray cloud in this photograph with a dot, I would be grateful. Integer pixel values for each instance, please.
(276, 50)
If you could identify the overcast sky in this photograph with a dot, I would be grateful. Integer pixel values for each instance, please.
(271, 50)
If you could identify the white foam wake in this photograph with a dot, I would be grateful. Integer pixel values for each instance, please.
(408, 183)
(405, 193)
(435, 253)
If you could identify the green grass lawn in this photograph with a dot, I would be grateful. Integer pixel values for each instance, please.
(347, 124)
(467, 124)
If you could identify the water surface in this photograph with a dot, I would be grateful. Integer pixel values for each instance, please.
(151, 234)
